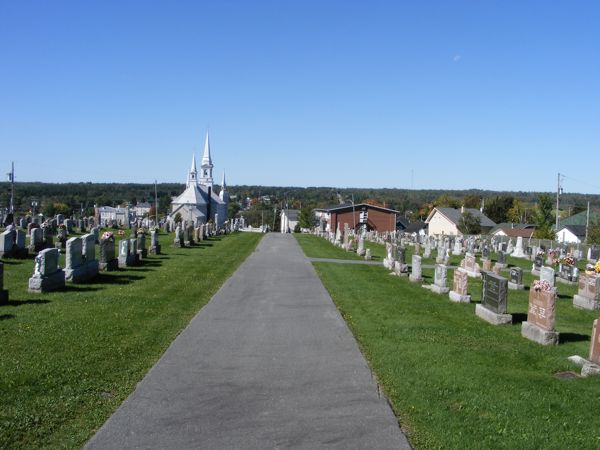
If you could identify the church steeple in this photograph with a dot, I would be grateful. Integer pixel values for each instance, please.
(224, 195)
(193, 175)
(206, 165)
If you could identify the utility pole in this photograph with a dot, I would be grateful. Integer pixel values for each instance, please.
(155, 204)
(11, 178)
(558, 189)
(587, 222)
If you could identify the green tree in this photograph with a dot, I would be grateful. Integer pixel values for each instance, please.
(594, 233)
(497, 208)
(516, 213)
(469, 224)
(306, 218)
(445, 201)
(177, 218)
(544, 218)
(472, 201)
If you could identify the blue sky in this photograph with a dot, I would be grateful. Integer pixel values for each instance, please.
(497, 95)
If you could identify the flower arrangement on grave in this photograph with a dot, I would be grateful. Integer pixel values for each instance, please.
(541, 253)
(541, 285)
(597, 267)
(568, 261)
(141, 231)
(121, 232)
(108, 235)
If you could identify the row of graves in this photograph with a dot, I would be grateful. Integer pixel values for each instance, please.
(493, 308)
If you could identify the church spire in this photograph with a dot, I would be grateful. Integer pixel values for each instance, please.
(193, 175)
(224, 195)
(206, 165)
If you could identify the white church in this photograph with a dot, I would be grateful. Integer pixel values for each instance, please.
(199, 203)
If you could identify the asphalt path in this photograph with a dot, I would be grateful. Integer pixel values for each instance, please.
(268, 363)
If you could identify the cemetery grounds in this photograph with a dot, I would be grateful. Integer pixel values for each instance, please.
(68, 359)
(453, 380)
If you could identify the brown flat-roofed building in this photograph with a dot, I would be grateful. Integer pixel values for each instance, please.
(376, 218)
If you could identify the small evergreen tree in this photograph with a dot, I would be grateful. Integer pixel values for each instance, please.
(544, 219)
(469, 224)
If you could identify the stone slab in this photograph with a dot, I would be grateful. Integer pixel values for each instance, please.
(439, 289)
(415, 279)
(538, 334)
(590, 370)
(54, 282)
(458, 298)
(490, 316)
(585, 303)
(516, 287)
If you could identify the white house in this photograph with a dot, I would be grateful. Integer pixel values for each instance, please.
(289, 220)
(107, 214)
(574, 234)
(444, 221)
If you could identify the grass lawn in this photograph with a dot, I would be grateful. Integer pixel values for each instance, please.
(69, 359)
(455, 381)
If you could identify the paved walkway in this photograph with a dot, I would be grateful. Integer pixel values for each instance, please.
(268, 363)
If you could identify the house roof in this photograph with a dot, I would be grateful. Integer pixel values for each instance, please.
(401, 222)
(518, 232)
(357, 207)
(581, 218)
(415, 227)
(510, 225)
(454, 215)
(577, 230)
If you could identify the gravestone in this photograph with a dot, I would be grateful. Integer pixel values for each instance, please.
(47, 236)
(515, 281)
(61, 237)
(470, 266)
(154, 244)
(548, 274)
(497, 268)
(400, 266)
(141, 245)
(538, 263)
(108, 261)
(593, 254)
(133, 249)
(485, 253)
(460, 286)
(6, 243)
(96, 232)
(3, 292)
(125, 257)
(501, 260)
(368, 255)
(416, 272)
(518, 251)
(595, 343)
(47, 275)
(80, 259)
(440, 277)
(588, 294)
(493, 306)
(487, 265)
(541, 317)
(427, 251)
(360, 251)
(178, 241)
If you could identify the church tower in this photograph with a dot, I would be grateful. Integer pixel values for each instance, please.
(224, 195)
(206, 166)
(192, 179)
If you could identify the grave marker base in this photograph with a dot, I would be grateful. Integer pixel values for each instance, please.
(491, 317)
(538, 334)
(459, 298)
(415, 279)
(585, 303)
(54, 282)
(515, 286)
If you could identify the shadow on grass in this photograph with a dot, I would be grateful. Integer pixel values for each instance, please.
(116, 279)
(151, 263)
(6, 316)
(563, 296)
(573, 337)
(25, 302)
(518, 318)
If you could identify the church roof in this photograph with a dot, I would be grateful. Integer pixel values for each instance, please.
(192, 195)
